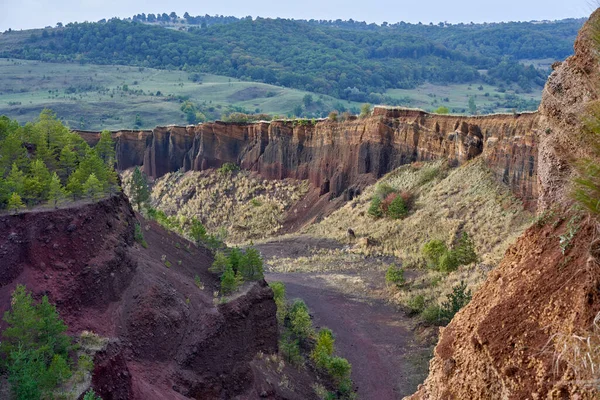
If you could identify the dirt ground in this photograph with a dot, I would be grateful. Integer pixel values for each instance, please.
(388, 358)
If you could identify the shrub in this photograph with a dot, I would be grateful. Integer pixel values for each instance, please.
(429, 174)
(290, 349)
(397, 208)
(228, 168)
(375, 208)
(91, 395)
(333, 116)
(339, 368)
(198, 282)
(324, 348)
(416, 304)
(448, 262)
(432, 251)
(229, 283)
(280, 301)
(383, 190)
(394, 275)
(456, 300)
(139, 236)
(300, 322)
(432, 314)
(465, 250)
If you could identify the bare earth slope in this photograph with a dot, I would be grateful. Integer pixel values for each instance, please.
(168, 339)
(504, 344)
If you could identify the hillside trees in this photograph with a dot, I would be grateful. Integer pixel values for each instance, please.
(45, 162)
(140, 194)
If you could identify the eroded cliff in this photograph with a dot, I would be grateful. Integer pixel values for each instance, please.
(341, 157)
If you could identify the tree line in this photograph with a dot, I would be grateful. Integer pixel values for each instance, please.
(44, 162)
(346, 63)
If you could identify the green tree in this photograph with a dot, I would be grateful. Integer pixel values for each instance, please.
(220, 263)
(67, 161)
(324, 348)
(57, 192)
(456, 300)
(197, 231)
(432, 251)
(15, 180)
(394, 275)
(442, 110)
(375, 208)
(339, 368)
(472, 105)
(92, 187)
(140, 194)
(15, 203)
(106, 148)
(229, 283)
(35, 346)
(280, 300)
(465, 250)
(252, 264)
(300, 322)
(365, 110)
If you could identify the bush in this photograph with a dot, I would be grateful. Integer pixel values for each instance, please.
(416, 304)
(465, 250)
(300, 322)
(397, 208)
(375, 208)
(228, 168)
(456, 300)
(394, 275)
(324, 348)
(91, 395)
(383, 190)
(432, 251)
(339, 368)
(432, 314)
(428, 175)
(229, 283)
(280, 301)
(448, 262)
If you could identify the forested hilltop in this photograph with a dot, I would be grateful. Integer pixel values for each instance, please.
(344, 59)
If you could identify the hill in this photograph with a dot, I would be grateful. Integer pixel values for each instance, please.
(339, 60)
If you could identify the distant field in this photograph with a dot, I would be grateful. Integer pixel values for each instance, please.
(110, 97)
(456, 97)
(93, 96)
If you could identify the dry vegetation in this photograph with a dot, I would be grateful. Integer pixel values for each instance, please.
(448, 202)
(238, 206)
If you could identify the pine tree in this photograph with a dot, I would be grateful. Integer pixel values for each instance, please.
(106, 148)
(197, 231)
(92, 187)
(57, 192)
(228, 280)
(252, 264)
(140, 193)
(15, 203)
(40, 176)
(15, 180)
(67, 161)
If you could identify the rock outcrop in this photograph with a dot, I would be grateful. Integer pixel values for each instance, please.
(340, 157)
(168, 339)
(507, 343)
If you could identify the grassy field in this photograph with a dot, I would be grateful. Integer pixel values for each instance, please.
(95, 96)
(456, 97)
(98, 97)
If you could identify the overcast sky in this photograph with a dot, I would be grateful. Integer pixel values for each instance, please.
(23, 14)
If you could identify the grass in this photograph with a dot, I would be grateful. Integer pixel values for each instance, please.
(429, 97)
(98, 100)
(236, 206)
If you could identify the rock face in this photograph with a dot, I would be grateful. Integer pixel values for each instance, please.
(168, 340)
(340, 157)
(506, 343)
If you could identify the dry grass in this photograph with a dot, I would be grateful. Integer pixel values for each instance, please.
(581, 353)
(467, 199)
(240, 206)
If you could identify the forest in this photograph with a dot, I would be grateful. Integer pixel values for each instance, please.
(44, 162)
(344, 59)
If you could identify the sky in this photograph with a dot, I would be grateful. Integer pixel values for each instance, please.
(25, 14)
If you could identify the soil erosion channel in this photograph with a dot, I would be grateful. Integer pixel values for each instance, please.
(388, 361)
